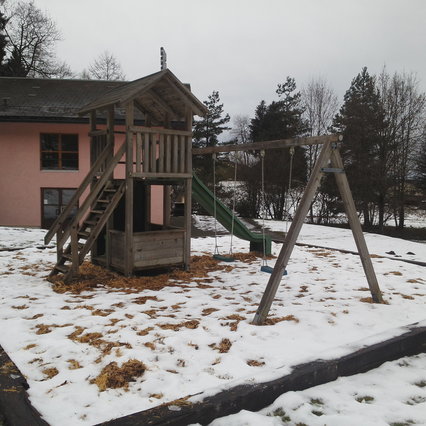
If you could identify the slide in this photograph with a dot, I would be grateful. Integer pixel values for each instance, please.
(224, 216)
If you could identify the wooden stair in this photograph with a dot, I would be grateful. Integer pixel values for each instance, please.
(84, 236)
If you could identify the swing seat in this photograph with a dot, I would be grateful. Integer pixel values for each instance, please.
(269, 269)
(223, 258)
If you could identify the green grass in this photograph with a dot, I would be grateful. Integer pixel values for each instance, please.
(368, 399)
(279, 412)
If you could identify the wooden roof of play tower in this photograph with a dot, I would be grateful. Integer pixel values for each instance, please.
(160, 96)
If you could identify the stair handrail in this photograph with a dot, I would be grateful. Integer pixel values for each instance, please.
(60, 220)
(87, 203)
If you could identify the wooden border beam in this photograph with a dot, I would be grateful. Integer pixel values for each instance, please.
(276, 144)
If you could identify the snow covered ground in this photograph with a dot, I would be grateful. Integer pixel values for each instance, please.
(393, 394)
(194, 336)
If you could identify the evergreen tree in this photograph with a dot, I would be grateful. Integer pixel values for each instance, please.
(361, 121)
(206, 132)
(280, 120)
(207, 129)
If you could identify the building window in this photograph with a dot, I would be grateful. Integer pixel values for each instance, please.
(53, 202)
(58, 151)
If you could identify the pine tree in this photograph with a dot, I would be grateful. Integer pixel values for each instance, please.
(206, 132)
(361, 121)
(207, 129)
(280, 120)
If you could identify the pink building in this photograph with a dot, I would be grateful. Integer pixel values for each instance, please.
(44, 145)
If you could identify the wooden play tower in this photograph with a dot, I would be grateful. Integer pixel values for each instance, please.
(133, 166)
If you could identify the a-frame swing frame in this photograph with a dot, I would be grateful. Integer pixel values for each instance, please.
(329, 161)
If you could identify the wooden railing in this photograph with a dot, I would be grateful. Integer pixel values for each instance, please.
(99, 140)
(157, 153)
(62, 224)
(161, 152)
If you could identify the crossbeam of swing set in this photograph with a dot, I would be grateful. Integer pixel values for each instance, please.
(275, 144)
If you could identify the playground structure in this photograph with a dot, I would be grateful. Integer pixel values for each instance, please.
(329, 156)
(114, 217)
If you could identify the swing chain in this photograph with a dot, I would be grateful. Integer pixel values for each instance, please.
(262, 159)
(233, 203)
(216, 249)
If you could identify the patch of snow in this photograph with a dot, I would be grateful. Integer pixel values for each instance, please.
(324, 298)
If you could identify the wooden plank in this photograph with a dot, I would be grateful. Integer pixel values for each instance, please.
(158, 245)
(187, 222)
(168, 154)
(153, 255)
(128, 225)
(182, 154)
(158, 262)
(162, 175)
(98, 132)
(275, 144)
(153, 154)
(348, 202)
(188, 195)
(161, 153)
(146, 167)
(75, 259)
(188, 162)
(138, 152)
(291, 236)
(110, 137)
(153, 236)
(175, 148)
(167, 205)
(157, 131)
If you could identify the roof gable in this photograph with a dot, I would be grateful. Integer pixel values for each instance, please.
(156, 94)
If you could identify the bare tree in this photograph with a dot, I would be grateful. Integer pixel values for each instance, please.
(404, 106)
(320, 106)
(31, 39)
(106, 67)
(241, 128)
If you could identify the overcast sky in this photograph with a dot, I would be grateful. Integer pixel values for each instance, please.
(244, 48)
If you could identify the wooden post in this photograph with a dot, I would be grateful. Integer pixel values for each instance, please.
(92, 126)
(59, 247)
(348, 202)
(291, 237)
(188, 195)
(166, 205)
(110, 222)
(128, 225)
(75, 258)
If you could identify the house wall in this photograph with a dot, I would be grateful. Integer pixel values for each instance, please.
(21, 179)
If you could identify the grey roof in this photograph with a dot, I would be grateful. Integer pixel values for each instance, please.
(41, 100)
(35, 99)
(156, 94)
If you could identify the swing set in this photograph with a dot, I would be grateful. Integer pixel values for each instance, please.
(329, 161)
